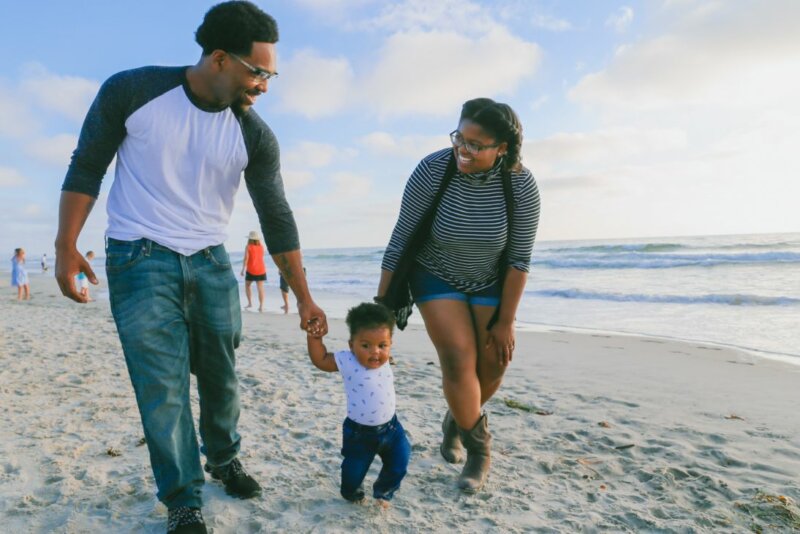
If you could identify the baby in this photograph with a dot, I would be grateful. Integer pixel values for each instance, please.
(83, 280)
(371, 427)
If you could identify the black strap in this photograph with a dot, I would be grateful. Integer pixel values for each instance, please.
(502, 263)
(398, 295)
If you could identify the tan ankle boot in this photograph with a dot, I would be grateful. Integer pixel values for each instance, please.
(478, 442)
(451, 448)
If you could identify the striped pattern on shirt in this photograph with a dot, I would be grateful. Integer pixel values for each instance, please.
(470, 229)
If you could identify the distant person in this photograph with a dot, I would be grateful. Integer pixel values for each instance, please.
(469, 268)
(371, 427)
(253, 269)
(285, 290)
(83, 281)
(19, 276)
(183, 137)
(44, 262)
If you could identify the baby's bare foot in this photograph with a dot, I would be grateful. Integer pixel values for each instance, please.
(382, 504)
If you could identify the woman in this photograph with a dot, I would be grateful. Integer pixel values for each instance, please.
(470, 271)
(19, 276)
(253, 269)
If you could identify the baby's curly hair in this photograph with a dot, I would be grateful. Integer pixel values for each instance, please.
(234, 27)
(367, 316)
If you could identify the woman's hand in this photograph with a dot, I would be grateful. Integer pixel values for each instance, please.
(501, 338)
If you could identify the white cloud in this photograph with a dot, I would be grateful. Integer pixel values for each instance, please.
(602, 148)
(620, 20)
(539, 102)
(549, 22)
(56, 150)
(310, 154)
(411, 78)
(348, 185)
(31, 210)
(410, 146)
(737, 58)
(16, 120)
(424, 15)
(314, 86)
(11, 177)
(293, 179)
(69, 96)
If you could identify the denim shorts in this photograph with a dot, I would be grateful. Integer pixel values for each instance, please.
(426, 286)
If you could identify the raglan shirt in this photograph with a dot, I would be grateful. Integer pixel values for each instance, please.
(370, 392)
(471, 227)
(179, 164)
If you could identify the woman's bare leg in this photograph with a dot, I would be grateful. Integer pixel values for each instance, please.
(450, 326)
(260, 286)
(490, 370)
(248, 293)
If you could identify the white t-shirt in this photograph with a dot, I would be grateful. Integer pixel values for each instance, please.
(370, 392)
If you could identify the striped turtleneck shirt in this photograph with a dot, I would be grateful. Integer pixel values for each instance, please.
(470, 229)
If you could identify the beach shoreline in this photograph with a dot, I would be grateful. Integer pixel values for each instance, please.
(593, 431)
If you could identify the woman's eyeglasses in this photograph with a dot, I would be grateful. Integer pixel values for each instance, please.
(255, 71)
(473, 148)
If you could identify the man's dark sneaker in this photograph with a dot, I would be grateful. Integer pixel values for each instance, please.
(237, 482)
(185, 520)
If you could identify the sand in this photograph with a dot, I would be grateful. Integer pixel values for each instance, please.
(601, 432)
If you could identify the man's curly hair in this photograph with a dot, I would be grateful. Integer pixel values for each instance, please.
(234, 27)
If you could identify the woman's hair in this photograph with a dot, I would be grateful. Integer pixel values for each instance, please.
(17, 251)
(499, 121)
(234, 26)
(253, 241)
(367, 316)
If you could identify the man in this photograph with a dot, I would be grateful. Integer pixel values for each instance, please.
(182, 137)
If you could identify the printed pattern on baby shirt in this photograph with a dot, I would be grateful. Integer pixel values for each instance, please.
(370, 392)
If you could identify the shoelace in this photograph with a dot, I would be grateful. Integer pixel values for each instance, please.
(236, 468)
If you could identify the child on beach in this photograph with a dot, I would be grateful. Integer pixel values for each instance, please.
(83, 281)
(19, 276)
(371, 427)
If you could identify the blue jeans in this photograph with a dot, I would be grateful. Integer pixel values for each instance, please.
(178, 314)
(360, 444)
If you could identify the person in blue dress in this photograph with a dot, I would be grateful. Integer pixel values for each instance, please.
(19, 276)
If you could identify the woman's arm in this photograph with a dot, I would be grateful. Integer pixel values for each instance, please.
(320, 356)
(501, 334)
(383, 285)
(244, 260)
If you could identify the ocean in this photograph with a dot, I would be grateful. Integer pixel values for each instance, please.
(739, 290)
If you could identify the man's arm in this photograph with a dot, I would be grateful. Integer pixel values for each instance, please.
(320, 356)
(73, 210)
(312, 318)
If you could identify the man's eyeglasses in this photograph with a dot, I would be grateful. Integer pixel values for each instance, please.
(473, 148)
(255, 71)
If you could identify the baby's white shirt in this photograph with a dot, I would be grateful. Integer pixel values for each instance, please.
(370, 392)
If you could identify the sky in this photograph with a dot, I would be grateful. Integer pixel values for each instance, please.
(641, 118)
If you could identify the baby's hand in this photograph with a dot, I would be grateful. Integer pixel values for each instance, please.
(314, 334)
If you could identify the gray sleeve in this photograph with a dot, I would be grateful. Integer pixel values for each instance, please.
(104, 126)
(265, 185)
(102, 132)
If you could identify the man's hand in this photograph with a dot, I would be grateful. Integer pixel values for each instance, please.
(70, 262)
(312, 319)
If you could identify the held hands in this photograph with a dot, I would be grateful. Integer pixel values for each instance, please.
(501, 339)
(312, 319)
(70, 262)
